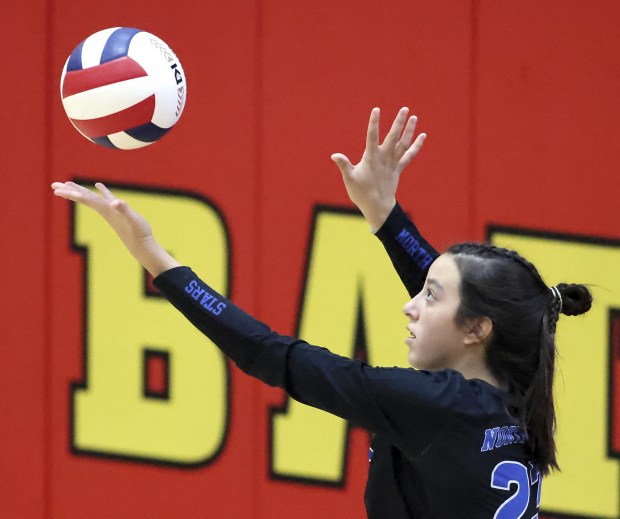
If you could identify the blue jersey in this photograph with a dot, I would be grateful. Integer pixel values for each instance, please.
(443, 446)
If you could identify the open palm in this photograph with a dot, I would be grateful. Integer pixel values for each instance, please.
(372, 183)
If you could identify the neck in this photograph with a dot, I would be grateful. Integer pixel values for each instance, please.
(480, 371)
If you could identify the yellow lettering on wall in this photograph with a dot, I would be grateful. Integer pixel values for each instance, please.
(112, 415)
(347, 265)
(589, 481)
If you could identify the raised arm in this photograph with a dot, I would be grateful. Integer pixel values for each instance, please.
(409, 252)
(372, 186)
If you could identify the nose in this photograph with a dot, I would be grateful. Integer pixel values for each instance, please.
(411, 310)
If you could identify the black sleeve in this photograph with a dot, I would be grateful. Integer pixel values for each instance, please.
(397, 402)
(410, 253)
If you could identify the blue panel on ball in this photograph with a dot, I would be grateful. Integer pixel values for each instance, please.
(148, 132)
(75, 60)
(117, 45)
(104, 141)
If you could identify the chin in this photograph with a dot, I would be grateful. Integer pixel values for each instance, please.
(417, 363)
(413, 361)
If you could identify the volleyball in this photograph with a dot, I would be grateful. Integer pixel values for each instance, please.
(123, 88)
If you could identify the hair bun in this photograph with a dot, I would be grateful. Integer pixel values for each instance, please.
(576, 299)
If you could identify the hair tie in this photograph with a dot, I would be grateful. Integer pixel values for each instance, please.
(556, 295)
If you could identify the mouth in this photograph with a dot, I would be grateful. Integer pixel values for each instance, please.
(411, 334)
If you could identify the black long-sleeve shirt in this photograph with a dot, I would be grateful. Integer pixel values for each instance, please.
(443, 446)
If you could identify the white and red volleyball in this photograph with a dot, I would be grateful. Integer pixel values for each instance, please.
(123, 88)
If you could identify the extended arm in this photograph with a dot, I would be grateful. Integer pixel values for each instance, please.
(311, 374)
(370, 397)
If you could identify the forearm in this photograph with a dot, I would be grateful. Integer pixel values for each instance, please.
(250, 344)
(409, 252)
(310, 374)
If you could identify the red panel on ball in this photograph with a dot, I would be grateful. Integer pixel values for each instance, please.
(120, 69)
(139, 114)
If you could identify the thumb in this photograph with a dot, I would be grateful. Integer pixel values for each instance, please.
(343, 163)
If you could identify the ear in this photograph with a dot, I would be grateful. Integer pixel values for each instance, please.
(478, 331)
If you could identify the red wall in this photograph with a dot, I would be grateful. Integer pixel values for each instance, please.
(518, 99)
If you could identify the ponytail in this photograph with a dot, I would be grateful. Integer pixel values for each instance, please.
(537, 409)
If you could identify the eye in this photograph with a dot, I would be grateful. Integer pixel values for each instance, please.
(430, 296)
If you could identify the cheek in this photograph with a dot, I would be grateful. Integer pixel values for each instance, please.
(437, 337)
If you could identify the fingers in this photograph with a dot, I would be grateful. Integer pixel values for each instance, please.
(412, 151)
(68, 194)
(77, 193)
(397, 127)
(68, 190)
(70, 186)
(78, 188)
(105, 192)
(405, 140)
(372, 136)
(343, 163)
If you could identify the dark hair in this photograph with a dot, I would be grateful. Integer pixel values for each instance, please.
(503, 286)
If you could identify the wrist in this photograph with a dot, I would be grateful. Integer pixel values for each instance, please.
(377, 214)
(152, 256)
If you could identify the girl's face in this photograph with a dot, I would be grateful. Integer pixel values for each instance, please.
(435, 341)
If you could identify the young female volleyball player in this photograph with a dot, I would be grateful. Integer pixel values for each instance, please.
(469, 432)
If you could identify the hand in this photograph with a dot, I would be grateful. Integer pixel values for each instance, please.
(128, 224)
(372, 184)
(133, 229)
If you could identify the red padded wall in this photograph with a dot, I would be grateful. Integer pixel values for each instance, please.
(520, 104)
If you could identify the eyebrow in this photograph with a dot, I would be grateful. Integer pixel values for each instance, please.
(433, 281)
